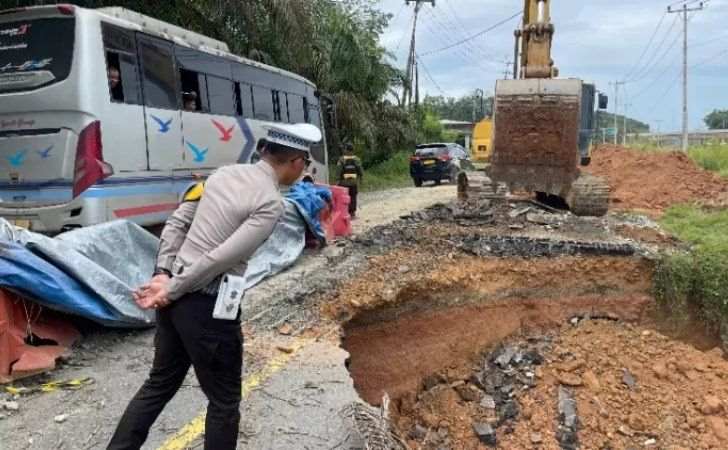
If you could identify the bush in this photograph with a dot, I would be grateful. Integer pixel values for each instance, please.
(390, 174)
(694, 284)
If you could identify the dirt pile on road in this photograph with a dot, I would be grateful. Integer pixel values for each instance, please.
(596, 384)
(653, 181)
(633, 388)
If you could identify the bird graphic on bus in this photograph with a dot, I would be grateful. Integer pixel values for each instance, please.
(17, 159)
(163, 126)
(200, 153)
(44, 154)
(226, 133)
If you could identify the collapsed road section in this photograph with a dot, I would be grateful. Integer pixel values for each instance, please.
(483, 331)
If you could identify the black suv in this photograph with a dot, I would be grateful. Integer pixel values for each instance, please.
(437, 162)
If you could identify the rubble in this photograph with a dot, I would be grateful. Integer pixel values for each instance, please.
(568, 420)
(10, 405)
(485, 433)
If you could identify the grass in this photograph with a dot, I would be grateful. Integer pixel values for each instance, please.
(694, 284)
(711, 156)
(390, 174)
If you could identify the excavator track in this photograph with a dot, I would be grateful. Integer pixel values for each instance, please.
(476, 185)
(589, 196)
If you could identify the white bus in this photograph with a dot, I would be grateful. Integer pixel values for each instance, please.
(77, 148)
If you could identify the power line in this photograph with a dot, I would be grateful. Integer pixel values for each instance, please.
(474, 36)
(396, 16)
(479, 46)
(639, 73)
(447, 23)
(648, 70)
(649, 43)
(404, 33)
(429, 76)
(461, 52)
(469, 46)
(656, 79)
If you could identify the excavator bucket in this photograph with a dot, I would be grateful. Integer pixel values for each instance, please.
(536, 145)
(542, 132)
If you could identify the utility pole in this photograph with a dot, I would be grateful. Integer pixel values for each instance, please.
(657, 133)
(417, 85)
(624, 136)
(478, 95)
(684, 11)
(412, 58)
(617, 84)
(507, 70)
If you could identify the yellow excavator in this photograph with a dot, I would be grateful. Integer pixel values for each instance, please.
(542, 126)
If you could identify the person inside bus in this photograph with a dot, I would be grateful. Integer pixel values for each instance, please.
(189, 101)
(115, 88)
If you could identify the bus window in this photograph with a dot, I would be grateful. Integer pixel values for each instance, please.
(158, 73)
(263, 103)
(285, 117)
(296, 108)
(318, 150)
(221, 95)
(194, 91)
(275, 97)
(244, 100)
(29, 58)
(121, 65)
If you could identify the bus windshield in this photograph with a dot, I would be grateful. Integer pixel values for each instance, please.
(34, 53)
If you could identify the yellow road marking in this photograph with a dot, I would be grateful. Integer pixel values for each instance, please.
(194, 429)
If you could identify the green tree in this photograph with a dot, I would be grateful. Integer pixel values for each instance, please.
(606, 120)
(461, 108)
(717, 120)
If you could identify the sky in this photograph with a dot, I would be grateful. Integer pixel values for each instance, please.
(599, 41)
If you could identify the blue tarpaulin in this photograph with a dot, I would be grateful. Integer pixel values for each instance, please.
(310, 200)
(32, 276)
(91, 272)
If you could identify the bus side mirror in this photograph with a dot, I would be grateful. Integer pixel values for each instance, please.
(603, 101)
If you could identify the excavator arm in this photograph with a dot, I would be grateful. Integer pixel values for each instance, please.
(535, 37)
(542, 127)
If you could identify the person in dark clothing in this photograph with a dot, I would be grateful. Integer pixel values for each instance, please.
(350, 175)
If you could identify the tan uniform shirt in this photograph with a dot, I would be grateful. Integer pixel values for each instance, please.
(236, 214)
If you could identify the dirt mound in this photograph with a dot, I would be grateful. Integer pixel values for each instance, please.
(653, 181)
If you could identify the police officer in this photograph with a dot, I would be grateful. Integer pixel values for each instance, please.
(350, 174)
(211, 234)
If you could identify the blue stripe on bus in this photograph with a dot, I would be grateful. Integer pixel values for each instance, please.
(109, 188)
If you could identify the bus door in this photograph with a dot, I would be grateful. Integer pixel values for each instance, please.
(162, 110)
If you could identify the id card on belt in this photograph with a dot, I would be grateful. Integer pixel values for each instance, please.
(229, 296)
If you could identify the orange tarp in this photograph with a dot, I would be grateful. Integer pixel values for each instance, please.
(31, 337)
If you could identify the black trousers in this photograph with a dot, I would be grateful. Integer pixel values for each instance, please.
(353, 192)
(188, 335)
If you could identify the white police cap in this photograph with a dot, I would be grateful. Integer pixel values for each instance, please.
(300, 136)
